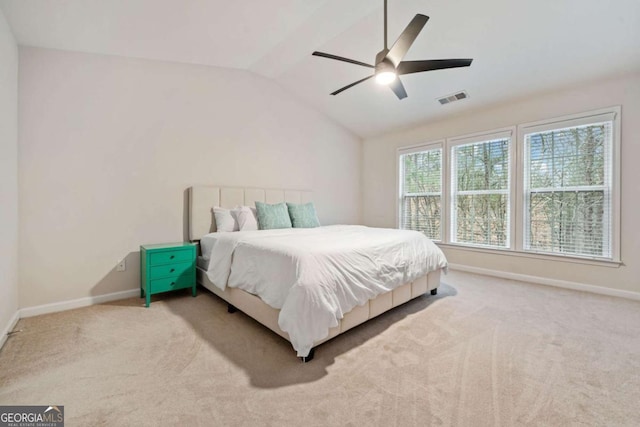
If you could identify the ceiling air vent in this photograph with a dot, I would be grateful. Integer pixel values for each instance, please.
(455, 97)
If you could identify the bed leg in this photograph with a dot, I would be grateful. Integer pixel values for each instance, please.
(231, 308)
(309, 357)
(434, 291)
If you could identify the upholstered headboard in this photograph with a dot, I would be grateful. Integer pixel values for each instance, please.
(203, 198)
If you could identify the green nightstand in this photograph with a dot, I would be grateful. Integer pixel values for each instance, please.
(167, 267)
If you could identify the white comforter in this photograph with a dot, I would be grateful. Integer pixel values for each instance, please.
(316, 275)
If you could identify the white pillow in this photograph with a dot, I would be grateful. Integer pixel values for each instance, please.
(246, 218)
(225, 219)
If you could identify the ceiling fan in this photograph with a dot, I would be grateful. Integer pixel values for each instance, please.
(389, 64)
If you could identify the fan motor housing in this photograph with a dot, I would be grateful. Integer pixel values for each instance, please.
(380, 57)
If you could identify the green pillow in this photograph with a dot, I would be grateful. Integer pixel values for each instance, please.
(272, 216)
(303, 216)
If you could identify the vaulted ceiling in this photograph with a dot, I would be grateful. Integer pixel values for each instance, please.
(519, 47)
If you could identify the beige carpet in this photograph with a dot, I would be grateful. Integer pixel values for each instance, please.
(484, 352)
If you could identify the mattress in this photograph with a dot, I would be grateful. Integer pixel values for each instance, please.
(203, 263)
(315, 276)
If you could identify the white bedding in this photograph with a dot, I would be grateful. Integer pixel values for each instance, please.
(316, 275)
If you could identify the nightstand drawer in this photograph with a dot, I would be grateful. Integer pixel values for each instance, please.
(171, 283)
(165, 257)
(174, 269)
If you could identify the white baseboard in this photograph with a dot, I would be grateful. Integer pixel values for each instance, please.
(548, 282)
(77, 303)
(9, 327)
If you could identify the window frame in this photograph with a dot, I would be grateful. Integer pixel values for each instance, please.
(473, 138)
(516, 190)
(433, 145)
(611, 114)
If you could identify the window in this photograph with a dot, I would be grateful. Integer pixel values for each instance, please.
(551, 191)
(568, 187)
(421, 190)
(480, 191)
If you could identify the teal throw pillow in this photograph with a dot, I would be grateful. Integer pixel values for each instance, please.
(303, 216)
(272, 216)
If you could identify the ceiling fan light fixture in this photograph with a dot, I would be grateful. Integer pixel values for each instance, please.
(385, 77)
(385, 72)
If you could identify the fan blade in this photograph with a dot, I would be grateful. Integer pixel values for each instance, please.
(340, 58)
(351, 85)
(406, 39)
(408, 67)
(398, 88)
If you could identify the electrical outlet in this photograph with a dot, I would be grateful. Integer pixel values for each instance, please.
(122, 265)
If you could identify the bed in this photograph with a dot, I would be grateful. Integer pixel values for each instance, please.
(308, 285)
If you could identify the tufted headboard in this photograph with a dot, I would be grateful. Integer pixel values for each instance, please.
(203, 198)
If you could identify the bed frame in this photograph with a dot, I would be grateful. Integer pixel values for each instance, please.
(201, 221)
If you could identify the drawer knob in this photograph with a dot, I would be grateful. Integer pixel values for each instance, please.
(172, 270)
(172, 257)
(173, 283)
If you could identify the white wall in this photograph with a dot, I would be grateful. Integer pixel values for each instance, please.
(379, 176)
(109, 145)
(8, 176)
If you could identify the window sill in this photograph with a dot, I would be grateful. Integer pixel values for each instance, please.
(522, 254)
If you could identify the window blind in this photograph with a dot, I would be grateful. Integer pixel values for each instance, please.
(421, 192)
(480, 192)
(567, 190)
